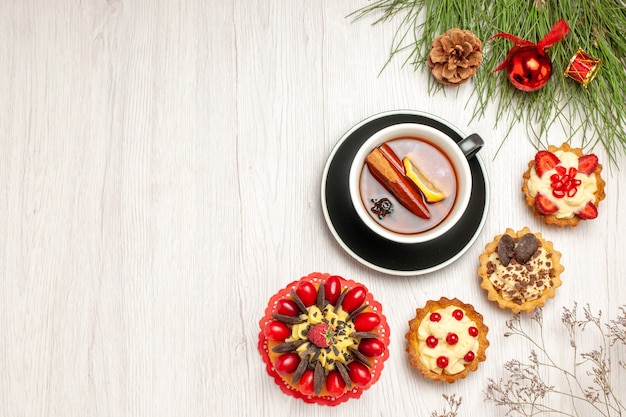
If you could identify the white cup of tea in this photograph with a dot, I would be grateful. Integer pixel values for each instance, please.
(411, 183)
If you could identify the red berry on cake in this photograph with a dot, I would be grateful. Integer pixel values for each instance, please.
(452, 339)
(332, 289)
(365, 322)
(307, 293)
(359, 374)
(287, 363)
(335, 385)
(432, 341)
(354, 298)
(306, 383)
(287, 307)
(371, 347)
(442, 362)
(276, 330)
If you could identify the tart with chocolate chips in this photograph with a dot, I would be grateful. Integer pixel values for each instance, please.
(446, 340)
(324, 339)
(520, 270)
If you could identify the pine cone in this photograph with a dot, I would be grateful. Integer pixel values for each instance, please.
(455, 56)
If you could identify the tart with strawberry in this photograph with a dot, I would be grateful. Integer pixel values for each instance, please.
(447, 340)
(324, 339)
(520, 270)
(563, 185)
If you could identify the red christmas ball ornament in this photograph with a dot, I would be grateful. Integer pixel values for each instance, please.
(528, 68)
(528, 65)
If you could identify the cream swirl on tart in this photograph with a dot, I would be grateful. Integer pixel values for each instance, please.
(520, 283)
(563, 185)
(567, 188)
(446, 340)
(520, 270)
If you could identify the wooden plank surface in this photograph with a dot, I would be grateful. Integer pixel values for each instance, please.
(160, 168)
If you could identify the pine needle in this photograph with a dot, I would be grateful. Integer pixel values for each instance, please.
(596, 115)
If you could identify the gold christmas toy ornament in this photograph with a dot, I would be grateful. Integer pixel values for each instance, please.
(583, 67)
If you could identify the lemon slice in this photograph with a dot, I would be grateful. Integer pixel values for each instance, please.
(431, 193)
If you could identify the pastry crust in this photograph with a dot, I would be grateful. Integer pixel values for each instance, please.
(553, 271)
(413, 340)
(551, 219)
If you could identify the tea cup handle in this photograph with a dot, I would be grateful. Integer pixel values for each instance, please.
(471, 145)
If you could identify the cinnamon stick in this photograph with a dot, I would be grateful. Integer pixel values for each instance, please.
(394, 180)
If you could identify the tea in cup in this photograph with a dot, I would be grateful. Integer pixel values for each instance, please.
(411, 183)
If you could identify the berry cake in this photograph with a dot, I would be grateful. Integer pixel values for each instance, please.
(324, 339)
(520, 270)
(563, 185)
(446, 340)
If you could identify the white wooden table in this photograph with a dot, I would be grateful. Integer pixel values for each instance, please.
(160, 168)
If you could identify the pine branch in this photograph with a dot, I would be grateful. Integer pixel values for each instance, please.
(596, 115)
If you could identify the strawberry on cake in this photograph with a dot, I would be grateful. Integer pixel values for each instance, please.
(563, 185)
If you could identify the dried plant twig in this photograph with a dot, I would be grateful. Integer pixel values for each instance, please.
(452, 407)
(526, 390)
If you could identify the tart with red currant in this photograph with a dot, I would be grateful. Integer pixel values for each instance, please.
(520, 270)
(563, 185)
(447, 340)
(324, 339)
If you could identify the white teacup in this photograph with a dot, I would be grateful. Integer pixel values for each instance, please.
(447, 168)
